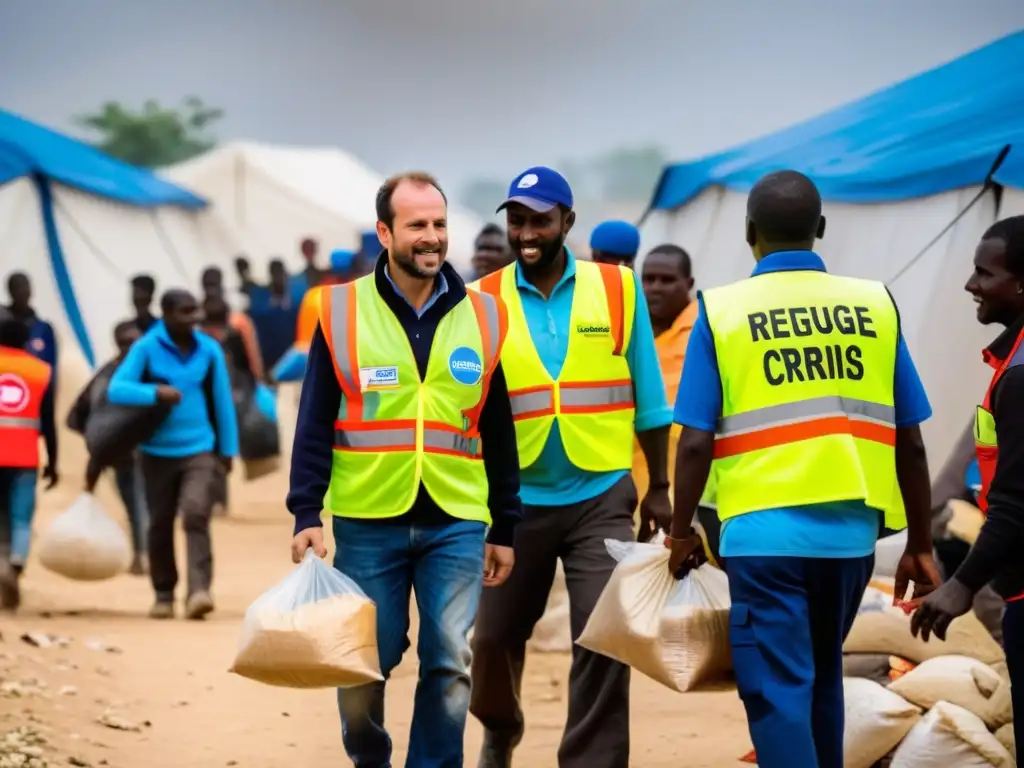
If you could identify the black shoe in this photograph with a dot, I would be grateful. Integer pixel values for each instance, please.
(496, 751)
(10, 592)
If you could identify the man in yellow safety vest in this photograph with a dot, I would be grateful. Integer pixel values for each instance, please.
(799, 386)
(405, 436)
(583, 377)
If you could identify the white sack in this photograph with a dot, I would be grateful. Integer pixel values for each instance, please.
(950, 737)
(960, 680)
(315, 629)
(676, 632)
(881, 628)
(876, 721)
(1005, 737)
(84, 543)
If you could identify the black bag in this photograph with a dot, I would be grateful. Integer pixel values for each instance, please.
(113, 432)
(258, 436)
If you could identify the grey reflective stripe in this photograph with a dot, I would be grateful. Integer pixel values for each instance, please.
(341, 295)
(17, 422)
(580, 397)
(491, 311)
(807, 410)
(530, 402)
(450, 441)
(376, 438)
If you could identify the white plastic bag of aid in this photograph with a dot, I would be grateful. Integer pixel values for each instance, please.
(84, 543)
(673, 631)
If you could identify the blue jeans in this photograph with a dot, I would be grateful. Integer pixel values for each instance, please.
(23, 509)
(789, 618)
(132, 489)
(444, 565)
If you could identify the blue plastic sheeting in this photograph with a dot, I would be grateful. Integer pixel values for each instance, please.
(935, 132)
(28, 149)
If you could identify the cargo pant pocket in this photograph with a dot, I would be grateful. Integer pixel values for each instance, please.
(747, 659)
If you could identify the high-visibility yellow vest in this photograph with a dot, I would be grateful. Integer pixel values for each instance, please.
(592, 397)
(807, 361)
(395, 430)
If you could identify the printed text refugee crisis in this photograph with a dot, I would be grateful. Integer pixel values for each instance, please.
(812, 361)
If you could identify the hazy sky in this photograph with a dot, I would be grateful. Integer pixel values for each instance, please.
(470, 88)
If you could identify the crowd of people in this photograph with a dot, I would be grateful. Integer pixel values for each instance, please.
(465, 433)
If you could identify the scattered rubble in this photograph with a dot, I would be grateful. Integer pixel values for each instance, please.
(23, 748)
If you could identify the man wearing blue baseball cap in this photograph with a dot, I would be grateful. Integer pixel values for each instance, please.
(615, 242)
(583, 378)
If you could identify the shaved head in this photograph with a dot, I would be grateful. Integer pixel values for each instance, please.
(784, 209)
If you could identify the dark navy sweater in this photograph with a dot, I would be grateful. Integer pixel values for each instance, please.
(312, 452)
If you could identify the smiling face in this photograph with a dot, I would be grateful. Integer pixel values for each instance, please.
(417, 241)
(535, 238)
(996, 290)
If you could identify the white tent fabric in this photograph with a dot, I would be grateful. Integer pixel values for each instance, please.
(104, 244)
(274, 196)
(875, 241)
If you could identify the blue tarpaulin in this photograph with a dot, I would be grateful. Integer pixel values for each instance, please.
(932, 133)
(30, 150)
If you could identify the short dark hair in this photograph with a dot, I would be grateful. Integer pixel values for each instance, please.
(173, 297)
(785, 207)
(275, 265)
(385, 213)
(14, 277)
(1011, 232)
(13, 333)
(671, 249)
(124, 327)
(212, 273)
(490, 228)
(144, 283)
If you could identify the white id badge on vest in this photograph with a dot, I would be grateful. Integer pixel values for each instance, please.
(379, 378)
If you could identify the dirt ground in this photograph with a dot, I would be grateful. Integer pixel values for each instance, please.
(169, 680)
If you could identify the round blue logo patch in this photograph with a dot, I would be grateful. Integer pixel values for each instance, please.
(465, 366)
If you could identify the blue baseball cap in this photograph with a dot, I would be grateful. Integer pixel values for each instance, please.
(341, 259)
(618, 237)
(540, 189)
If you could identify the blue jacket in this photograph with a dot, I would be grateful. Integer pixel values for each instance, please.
(205, 418)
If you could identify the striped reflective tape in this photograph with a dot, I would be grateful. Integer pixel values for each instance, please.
(572, 399)
(404, 439)
(18, 422)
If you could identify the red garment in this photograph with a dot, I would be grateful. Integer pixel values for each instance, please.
(988, 455)
(23, 383)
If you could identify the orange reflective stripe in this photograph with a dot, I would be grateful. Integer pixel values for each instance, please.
(804, 430)
(399, 435)
(338, 316)
(491, 283)
(492, 319)
(612, 278)
(532, 402)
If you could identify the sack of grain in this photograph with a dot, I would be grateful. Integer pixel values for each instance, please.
(870, 666)
(876, 721)
(84, 544)
(950, 737)
(960, 680)
(965, 520)
(315, 629)
(882, 628)
(1005, 737)
(675, 632)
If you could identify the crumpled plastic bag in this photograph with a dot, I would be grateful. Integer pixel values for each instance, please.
(84, 543)
(675, 632)
(314, 629)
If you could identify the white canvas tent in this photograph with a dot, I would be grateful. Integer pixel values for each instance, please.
(275, 196)
(81, 224)
(894, 168)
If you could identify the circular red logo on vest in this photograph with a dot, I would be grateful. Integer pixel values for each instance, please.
(13, 393)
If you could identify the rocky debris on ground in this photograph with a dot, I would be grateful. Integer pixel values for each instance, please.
(118, 723)
(13, 689)
(23, 748)
(44, 640)
(95, 644)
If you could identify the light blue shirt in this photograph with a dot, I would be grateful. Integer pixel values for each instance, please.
(844, 529)
(553, 480)
(440, 289)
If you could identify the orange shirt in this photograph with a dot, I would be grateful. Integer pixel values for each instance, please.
(241, 323)
(671, 346)
(23, 384)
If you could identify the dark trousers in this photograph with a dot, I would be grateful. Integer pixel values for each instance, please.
(597, 729)
(788, 621)
(6, 524)
(131, 488)
(1013, 638)
(180, 486)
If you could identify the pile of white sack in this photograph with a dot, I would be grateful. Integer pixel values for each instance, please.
(675, 632)
(950, 710)
(84, 543)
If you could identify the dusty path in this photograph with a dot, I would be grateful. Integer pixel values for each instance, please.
(170, 678)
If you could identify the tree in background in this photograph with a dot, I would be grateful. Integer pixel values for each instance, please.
(153, 136)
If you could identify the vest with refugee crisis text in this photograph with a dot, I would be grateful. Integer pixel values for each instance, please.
(592, 397)
(808, 362)
(23, 383)
(395, 430)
